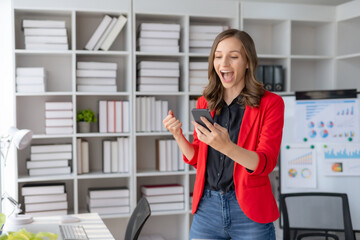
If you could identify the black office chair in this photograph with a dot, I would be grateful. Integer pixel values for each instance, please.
(315, 214)
(137, 220)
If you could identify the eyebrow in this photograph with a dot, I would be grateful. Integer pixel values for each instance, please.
(238, 51)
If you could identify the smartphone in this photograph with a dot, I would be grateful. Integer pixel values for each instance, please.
(197, 113)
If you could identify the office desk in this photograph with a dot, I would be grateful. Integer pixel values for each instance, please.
(93, 225)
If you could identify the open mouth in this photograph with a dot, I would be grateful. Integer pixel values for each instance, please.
(227, 75)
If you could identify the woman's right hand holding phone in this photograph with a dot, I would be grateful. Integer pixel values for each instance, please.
(173, 124)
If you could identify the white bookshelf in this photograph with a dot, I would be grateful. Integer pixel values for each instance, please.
(316, 45)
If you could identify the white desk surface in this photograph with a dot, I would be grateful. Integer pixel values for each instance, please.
(93, 225)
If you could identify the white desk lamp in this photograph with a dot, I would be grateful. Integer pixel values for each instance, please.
(21, 139)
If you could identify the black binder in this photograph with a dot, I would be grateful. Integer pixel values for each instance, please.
(278, 78)
(269, 77)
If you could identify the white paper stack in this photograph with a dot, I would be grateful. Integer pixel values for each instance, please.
(202, 37)
(198, 76)
(159, 37)
(116, 155)
(50, 159)
(168, 156)
(45, 200)
(58, 117)
(114, 116)
(96, 77)
(30, 79)
(158, 76)
(167, 197)
(106, 33)
(150, 114)
(106, 201)
(45, 35)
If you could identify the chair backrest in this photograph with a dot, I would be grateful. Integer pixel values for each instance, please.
(315, 211)
(137, 220)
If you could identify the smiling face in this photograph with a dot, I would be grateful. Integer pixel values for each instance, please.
(230, 65)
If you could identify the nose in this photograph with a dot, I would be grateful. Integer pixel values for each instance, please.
(225, 61)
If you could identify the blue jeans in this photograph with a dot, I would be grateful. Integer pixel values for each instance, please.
(219, 216)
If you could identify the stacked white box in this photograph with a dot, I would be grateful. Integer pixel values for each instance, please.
(108, 200)
(30, 79)
(58, 117)
(202, 37)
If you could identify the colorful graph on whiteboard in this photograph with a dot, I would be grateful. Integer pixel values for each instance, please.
(298, 166)
(341, 159)
(328, 120)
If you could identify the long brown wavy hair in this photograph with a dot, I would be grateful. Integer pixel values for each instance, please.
(253, 90)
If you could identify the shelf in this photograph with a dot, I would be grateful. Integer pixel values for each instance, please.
(101, 175)
(348, 56)
(26, 179)
(150, 173)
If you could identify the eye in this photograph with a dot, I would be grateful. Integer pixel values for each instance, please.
(218, 57)
(234, 57)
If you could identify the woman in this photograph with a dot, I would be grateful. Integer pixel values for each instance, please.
(232, 196)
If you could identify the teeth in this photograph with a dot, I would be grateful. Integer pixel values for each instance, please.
(225, 71)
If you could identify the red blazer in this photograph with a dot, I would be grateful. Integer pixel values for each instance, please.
(261, 132)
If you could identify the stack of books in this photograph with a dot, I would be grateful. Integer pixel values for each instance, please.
(96, 77)
(82, 156)
(45, 200)
(58, 117)
(49, 159)
(272, 76)
(159, 37)
(192, 104)
(108, 200)
(198, 76)
(202, 37)
(168, 156)
(45, 35)
(114, 116)
(158, 76)
(164, 197)
(106, 33)
(116, 155)
(30, 79)
(150, 114)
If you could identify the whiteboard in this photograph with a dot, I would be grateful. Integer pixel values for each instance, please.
(321, 180)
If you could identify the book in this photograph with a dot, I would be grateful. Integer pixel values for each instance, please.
(159, 34)
(157, 42)
(159, 73)
(27, 23)
(85, 168)
(126, 116)
(96, 88)
(161, 155)
(105, 34)
(158, 80)
(46, 39)
(162, 189)
(167, 206)
(100, 193)
(202, 50)
(105, 22)
(46, 206)
(174, 156)
(158, 65)
(24, 80)
(111, 116)
(45, 32)
(103, 116)
(118, 116)
(169, 161)
(108, 202)
(114, 156)
(119, 25)
(45, 198)
(158, 120)
(165, 198)
(268, 77)
(158, 88)
(46, 46)
(121, 154)
(110, 210)
(58, 130)
(198, 73)
(30, 88)
(49, 171)
(47, 164)
(61, 122)
(198, 81)
(207, 28)
(78, 156)
(198, 66)
(167, 49)
(126, 155)
(106, 157)
(202, 36)
(30, 71)
(58, 114)
(278, 78)
(160, 27)
(50, 156)
(164, 112)
(27, 190)
(97, 65)
(200, 43)
(95, 81)
(58, 106)
(96, 73)
(61, 212)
